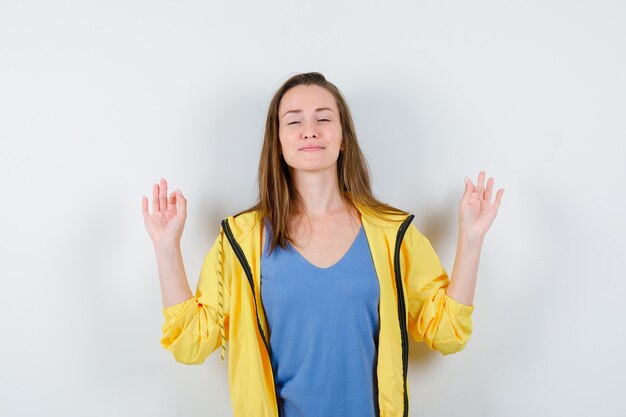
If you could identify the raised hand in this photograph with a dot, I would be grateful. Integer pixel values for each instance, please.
(167, 220)
(476, 211)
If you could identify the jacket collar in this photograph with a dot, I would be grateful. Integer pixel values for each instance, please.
(244, 223)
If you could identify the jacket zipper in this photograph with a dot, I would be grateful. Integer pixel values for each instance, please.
(402, 308)
(246, 267)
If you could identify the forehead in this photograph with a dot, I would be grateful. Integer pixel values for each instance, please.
(306, 96)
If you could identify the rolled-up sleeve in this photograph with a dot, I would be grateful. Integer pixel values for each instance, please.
(191, 330)
(435, 318)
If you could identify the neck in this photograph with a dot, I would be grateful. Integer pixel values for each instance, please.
(319, 191)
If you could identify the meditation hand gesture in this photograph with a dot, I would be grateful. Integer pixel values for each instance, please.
(476, 211)
(167, 220)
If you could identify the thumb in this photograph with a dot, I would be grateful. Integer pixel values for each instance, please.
(469, 187)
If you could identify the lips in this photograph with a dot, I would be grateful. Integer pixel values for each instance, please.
(311, 147)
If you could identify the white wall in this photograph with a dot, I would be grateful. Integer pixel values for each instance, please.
(98, 100)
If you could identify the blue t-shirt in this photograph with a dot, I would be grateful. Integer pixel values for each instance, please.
(324, 331)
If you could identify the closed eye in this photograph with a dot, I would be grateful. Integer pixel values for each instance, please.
(292, 123)
(324, 120)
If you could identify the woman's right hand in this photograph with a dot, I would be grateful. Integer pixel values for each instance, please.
(167, 220)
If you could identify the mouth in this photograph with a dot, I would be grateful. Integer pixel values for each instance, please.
(312, 148)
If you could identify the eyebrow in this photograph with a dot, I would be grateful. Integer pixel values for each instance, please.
(300, 110)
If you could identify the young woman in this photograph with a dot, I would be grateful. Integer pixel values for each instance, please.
(318, 285)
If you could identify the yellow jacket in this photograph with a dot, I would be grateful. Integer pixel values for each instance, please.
(227, 307)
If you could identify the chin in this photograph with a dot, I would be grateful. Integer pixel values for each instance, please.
(313, 167)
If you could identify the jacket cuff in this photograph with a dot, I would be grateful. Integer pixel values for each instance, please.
(174, 310)
(457, 308)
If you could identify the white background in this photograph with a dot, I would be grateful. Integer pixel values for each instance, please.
(99, 100)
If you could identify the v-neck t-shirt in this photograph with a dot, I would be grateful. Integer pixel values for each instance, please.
(323, 325)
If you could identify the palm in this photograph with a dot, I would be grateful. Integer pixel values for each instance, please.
(168, 216)
(476, 211)
(163, 221)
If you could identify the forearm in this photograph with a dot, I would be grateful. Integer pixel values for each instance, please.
(174, 285)
(463, 278)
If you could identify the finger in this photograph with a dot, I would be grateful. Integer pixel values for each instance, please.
(481, 184)
(155, 198)
(498, 198)
(182, 201)
(489, 190)
(172, 202)
(163, 195)
(473, 192)
(144, 206)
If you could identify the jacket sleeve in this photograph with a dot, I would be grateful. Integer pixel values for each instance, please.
(435, 318)
(195, 328)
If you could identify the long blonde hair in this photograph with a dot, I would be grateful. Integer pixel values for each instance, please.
(278, 198)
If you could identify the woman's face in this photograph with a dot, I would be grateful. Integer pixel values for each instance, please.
(309, 128)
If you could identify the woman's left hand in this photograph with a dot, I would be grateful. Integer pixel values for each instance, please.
(476, 211)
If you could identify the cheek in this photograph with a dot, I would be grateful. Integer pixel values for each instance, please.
(285, 138)
(338, 134)
(281, 141)
(283, 144)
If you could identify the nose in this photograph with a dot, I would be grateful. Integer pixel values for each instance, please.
(309, 131)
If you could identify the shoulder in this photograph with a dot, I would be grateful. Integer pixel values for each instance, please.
(242, 223)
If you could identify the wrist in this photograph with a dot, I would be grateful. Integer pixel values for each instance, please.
(469, 240)
(168, 245)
